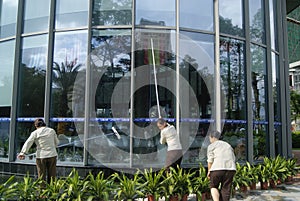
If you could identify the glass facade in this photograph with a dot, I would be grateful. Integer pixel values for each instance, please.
(100, 72)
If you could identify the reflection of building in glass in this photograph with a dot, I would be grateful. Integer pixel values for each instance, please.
(87, 69)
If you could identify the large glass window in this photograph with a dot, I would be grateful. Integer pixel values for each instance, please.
(231, 17)
(109, 135)
(154, 85)
(196, 14)
(71, 13)
(8, 17)
(31, 90)
(196, 88)
(155, 12)
(36, 19)
(232, 65)
(259, 90)
(108, 12)
(68, 82)
(257, 21)
(6, 82)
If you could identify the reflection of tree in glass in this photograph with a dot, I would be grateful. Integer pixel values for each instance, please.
(226, 26)
(32, 92)
(116, 12)
(64, 76)
(257, 27)
(232, 74)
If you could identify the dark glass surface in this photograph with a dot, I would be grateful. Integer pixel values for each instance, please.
(6, 84)
(31, 90)
(259, 91)
(190, 11)
(67, 97)
(155, 12)
(107, 12)
(197, 69)
(110, 101)
(36, 19)
(233, 96)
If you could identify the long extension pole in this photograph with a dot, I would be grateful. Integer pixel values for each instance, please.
(155, 80)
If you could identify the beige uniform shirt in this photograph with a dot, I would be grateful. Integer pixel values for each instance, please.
(46, 142)
(221, 155)
(169, 135)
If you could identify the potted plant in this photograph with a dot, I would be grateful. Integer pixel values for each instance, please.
(153, 181)
(200, 183)
(252, 174)
(241, 179)
(128, 188)
(292, 169)
(278, 170)
(178, 184)
(264, 174)
(99, 187)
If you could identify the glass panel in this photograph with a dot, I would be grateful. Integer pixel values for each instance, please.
(36, 19)
(31, 92)
(112, 12)
(257, 21)
(232, 65)
(7, 50)
(8, 18)
(196, 88)
(109, 133)
(155, 12)
(67, 99)
(71, 13)
(259, 90)
(273, 24)
(146, 147)
(196, 9)
(231, 17)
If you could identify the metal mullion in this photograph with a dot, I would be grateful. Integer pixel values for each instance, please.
(15, 88)
(269, 99)
(249, 117)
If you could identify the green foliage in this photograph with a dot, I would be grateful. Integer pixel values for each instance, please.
(99, 188)
(8, 189)
(154, 182)
(54, 189)
(128, 188)
(241, 177)
(76, 188)
(296, 139)
(29, 189)
(200, 183)
(178, 182)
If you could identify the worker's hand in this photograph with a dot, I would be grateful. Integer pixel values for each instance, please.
(21, 156)
(208, 175)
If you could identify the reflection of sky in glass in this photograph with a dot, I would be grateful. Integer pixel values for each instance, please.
(232, 9)
(272, 24)
(9, 10)
(200, 47)
(254, 5)
(70, 46)
(35, 51)
(156, 10)
(196, 9)
(6, 72)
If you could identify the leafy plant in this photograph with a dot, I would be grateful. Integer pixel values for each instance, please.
(241, 177)
(253, 172)
(29, 189)
(7, 189)
(76, 187)
(200, 183)
(99, 187)
(178, 182)
(153, 182)
(128, 188)
(54, 189)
